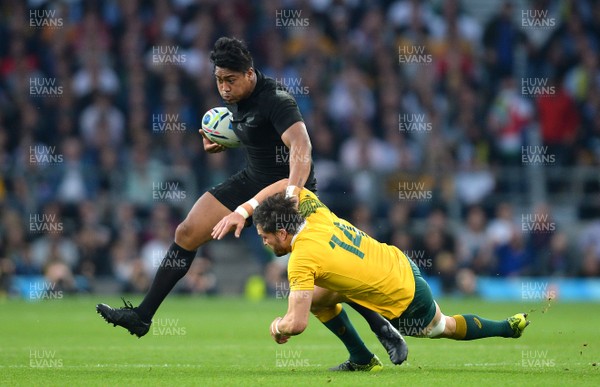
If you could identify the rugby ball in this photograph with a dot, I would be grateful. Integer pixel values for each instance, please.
(216, 124)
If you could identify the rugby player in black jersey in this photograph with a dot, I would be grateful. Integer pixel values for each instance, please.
(267, 120)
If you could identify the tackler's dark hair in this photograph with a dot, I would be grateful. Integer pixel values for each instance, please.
(278, 212)
(231, 54)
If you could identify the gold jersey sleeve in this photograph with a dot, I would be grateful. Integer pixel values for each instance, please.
(331, 253)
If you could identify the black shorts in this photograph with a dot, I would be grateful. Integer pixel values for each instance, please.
(240, 188)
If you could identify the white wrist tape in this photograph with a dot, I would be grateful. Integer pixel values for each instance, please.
(253, 203)
(242, 211)
(290, 191)
(277, 326)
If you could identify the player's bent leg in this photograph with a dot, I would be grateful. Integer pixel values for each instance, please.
(196, 228)
(324, 308)
(194, 231)
(327, 308)
(472, 327)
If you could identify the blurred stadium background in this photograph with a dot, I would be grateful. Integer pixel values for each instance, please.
(466, 133)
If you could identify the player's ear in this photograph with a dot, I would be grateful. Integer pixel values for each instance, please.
(281, 233)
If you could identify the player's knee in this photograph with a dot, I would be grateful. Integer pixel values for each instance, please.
(184, 236)
(325, 314)
(315, 309)
(437, 329)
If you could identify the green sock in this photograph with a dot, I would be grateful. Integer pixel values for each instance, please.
(341, 326)
(471, 327)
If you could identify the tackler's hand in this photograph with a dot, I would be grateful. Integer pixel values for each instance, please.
(233, 221)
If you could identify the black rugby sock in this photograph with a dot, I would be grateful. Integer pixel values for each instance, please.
(375, 320)
(341, 326)
(174, 266)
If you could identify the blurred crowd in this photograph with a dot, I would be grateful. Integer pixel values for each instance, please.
(100, 102)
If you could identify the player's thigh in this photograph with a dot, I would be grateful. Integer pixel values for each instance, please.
(421, 313)
(195, 230)
(324, 299)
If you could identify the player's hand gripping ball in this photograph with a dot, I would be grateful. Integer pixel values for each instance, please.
(216, 124)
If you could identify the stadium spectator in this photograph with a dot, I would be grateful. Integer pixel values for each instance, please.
(92, 240)
(102, 124)
(126, 265)
(514, 258)
(590, 246)
(74, 178)
(145, 175)
(200, 279)
(539, 228)
(562, 260)
(509, 116)
(501, 38)
(559, 123)
(438, 245)
(366, 155)
(501, 228)
(55, 242)
(474, 247)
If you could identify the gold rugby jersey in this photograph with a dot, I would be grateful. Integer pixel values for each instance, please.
(331, 253)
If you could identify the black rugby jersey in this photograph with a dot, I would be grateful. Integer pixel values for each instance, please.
(259, 121)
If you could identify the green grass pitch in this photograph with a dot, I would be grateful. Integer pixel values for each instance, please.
(225, 342)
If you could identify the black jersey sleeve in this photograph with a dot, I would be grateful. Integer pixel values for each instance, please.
(283, 111)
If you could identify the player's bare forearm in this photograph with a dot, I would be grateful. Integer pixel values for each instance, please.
(295, 320)
(235, 221)
(270, 190)
(298, 142)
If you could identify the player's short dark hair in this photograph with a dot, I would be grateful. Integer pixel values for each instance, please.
(278, 212)
(231, 54)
